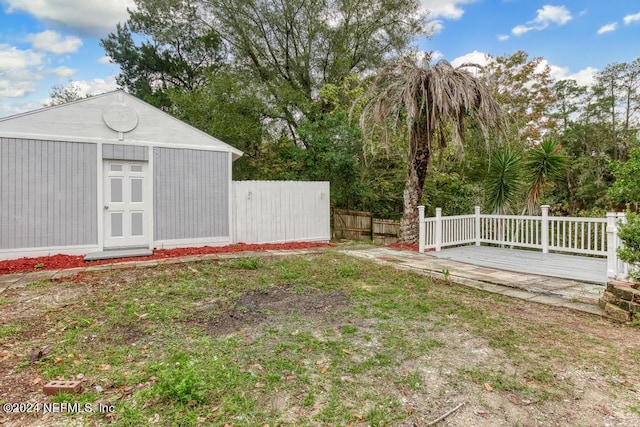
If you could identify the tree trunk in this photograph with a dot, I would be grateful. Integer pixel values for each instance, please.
(414, 182)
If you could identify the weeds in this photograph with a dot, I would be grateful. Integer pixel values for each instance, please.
(396, 347)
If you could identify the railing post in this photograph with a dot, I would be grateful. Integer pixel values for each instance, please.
(438, 229)
(545, 229)
(622, 268)
(422, 229)
(477, 221)
(612, 245)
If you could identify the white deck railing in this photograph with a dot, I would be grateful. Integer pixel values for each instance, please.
(585, 236)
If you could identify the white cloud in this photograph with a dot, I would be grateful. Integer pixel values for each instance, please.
(434, 27)
(503, 37)
(64, 72)
(631, 18)
(608, 28)
(105, 60)
(436, 55)
(52, 41)
(96, 86)
(95, 17)
(449, 9)
(12, 58)
(14, 88)
(474, 57)
(584, 77)
(89, 87)
(519, 30)
(548, 15)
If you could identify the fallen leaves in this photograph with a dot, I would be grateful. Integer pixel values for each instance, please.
(488, 387)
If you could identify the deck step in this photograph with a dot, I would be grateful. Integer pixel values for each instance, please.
(118, 253)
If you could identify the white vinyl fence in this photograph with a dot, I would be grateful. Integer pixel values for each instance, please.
(585, 236)
(280, 211)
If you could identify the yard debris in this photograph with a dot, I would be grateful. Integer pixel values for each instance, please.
(345, 351)
(442, 417)
(488, 387)
(55, 387)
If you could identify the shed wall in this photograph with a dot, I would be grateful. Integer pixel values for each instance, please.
(48, 193)
(191, 193)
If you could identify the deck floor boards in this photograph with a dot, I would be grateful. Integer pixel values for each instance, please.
(585, 269)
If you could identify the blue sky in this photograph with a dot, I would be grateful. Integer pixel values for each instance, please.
(50, 42)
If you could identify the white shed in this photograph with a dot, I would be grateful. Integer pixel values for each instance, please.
(110, 173)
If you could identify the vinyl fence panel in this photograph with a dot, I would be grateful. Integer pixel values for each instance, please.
(280, 211)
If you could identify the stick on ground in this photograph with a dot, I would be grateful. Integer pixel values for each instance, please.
(442, 417)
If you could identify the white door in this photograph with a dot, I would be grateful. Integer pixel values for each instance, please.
(126, 208)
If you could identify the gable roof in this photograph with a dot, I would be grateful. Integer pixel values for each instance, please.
(114, 117)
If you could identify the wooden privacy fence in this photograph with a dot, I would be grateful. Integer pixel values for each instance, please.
(359, 225)
(585, 236)
(280, 211)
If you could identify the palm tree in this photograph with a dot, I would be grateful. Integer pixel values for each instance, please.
(503, 179)
(542, 164)
(431, 103)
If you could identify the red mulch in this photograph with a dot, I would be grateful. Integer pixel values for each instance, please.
(56, 262)
(404, 246)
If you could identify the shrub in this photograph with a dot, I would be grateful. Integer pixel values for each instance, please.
(629, 233)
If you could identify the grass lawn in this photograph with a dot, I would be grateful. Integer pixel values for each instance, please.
(318, 339)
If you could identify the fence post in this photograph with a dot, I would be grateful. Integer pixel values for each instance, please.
(438, 229)
(545, 229)
(422, 229)
(612, 245)
(622, 268)
(477, 225)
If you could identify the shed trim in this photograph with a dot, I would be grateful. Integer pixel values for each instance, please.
(236, 154)
(7, 254)
(189, 243)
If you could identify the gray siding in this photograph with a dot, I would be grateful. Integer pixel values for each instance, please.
(48, 193)
(191, 197)
(125, 152)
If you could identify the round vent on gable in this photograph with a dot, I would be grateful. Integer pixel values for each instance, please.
(120, 117)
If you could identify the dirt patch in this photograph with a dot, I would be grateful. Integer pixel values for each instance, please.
(257, 307)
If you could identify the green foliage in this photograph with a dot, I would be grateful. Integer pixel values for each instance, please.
(626, 188)
(333, 154)
(181, 382)
(293, 51)
(247, 263)
(228, 108)
(176, 49)
(630, 252)
(503, 180)
(450, 190)
(542, 164)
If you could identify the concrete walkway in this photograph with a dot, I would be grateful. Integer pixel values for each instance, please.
(545, 290)
(541, 289)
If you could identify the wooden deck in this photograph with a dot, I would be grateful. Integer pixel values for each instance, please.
(585, 269)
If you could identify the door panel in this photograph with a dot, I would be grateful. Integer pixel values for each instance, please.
(126, 209)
